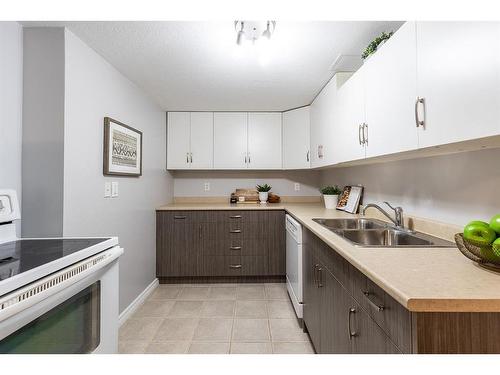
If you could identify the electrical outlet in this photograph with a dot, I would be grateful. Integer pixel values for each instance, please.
(114, 189)
(207, 186)
(107, 189)
(297, 186)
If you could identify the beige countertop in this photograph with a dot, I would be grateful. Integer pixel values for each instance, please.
(421, 279)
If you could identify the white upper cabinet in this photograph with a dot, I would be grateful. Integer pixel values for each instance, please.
(190, 140)
(178, 134)
(458, 75)
(349, 142)
(390, 92)
(202, 140)
(296, 139)
(230, 140)
(264, 141)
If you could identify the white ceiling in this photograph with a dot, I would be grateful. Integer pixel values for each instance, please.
(198, 66)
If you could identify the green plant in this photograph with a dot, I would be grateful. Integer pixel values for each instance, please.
(372, 47)
(330, 190)
(263, 188)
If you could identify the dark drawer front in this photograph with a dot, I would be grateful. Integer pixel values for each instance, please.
(220, 265)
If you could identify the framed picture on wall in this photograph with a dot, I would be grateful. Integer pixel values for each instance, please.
(122, 149)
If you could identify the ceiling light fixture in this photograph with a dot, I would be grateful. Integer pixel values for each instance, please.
(253, 30)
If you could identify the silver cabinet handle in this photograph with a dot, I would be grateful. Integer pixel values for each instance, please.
(320, 277)
(235, 217)
(249, 161)
(377, 306)
(246, 159)
(187, 157)
(352, 333)
(191, 157)
(365, 135)
(359, 134)
(307, 155)
(419, 122)
(235, 248)
(235, 266)
(235, 231)
(178, 217)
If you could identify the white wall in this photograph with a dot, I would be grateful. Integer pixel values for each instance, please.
(453, 188)
(11, 86)
(222, 184)
(94, 89)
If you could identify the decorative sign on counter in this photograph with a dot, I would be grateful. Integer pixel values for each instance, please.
(350, 198)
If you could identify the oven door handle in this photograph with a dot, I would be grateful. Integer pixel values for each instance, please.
(31, 294)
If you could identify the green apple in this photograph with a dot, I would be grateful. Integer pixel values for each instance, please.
(479, 222)
(495, 246)
(495, 224)
(479, 234)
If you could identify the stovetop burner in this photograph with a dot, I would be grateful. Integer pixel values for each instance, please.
(23, 255)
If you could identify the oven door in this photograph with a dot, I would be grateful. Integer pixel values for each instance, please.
(78, 318)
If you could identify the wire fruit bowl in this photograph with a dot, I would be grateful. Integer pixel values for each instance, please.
(474, 253)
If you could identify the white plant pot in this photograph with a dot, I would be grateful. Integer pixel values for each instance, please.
(331, 201)
(263, 195)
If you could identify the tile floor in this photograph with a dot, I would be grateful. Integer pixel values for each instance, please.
(215, 319)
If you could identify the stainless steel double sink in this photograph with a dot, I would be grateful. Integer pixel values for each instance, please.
(375, 233)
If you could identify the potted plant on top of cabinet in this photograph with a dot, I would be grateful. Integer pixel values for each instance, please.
(263, 192)
(375, 44)
(331, 196)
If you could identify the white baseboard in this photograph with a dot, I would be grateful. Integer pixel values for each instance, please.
(131, 309)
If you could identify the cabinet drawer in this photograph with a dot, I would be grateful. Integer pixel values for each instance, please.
(220, 265)
(390, 315)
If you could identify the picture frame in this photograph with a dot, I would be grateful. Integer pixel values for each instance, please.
(122, 154)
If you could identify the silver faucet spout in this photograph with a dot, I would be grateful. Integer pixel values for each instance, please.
(398, 219)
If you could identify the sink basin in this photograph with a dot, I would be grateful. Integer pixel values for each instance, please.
(375, 233)
(391, 237)
(351, 223)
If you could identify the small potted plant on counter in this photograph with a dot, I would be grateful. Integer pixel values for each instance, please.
(263, 192)
(331, 196)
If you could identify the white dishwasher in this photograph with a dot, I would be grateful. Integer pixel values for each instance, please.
(294, 263)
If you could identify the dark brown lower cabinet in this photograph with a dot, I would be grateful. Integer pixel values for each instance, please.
(346, 312)
(205, 244)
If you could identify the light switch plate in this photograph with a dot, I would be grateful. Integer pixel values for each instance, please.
(107, 189)
(114, 189)
(207, 186)
(297, 186)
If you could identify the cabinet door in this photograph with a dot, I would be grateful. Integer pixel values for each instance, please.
(311, 303)
(351, 116)
(335, 303)
(178, 134)
(390, 92)
(183, 251)
(264, 141)
(296, 139)
(202, 140)
(458, 75)
(230, 140)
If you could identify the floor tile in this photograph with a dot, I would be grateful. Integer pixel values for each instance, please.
(176, 329)
(224, 293)
(217, 309)
(277, 292)
(251, 309)
(183, 309)
(154, 308)
(209, 348)
(213, 329)
(251, 330)
(132, 347)
(251, 292)
(165, 292)
(194, 293)
(286, 330)
(280, 309)
(140, 328)
(251, 348)
(292, 348)
(167, 347)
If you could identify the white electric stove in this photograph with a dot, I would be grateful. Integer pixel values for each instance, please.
(57, 295)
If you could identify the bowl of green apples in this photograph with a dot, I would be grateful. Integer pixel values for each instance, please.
(480, 242)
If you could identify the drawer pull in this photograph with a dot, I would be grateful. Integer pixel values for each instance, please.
(235, 231)
(235, 266)
(235, 217)
(352, 333)
(377, 306)
(178, 217)
(235, 247)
